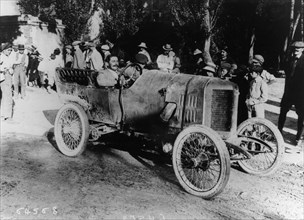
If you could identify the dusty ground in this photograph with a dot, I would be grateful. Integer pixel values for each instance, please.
(37, 182)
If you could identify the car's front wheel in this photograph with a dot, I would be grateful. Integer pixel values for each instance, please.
(201, 161)
(71, 130)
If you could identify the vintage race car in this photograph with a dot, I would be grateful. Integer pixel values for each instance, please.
(194, 117)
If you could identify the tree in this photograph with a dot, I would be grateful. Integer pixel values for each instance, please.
(121, 17)
(199, 20)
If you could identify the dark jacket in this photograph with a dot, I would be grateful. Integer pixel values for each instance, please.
(294, 84)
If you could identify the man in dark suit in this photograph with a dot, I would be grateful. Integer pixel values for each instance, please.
(294, 90)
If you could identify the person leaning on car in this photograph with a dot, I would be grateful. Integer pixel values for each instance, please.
(109, 76)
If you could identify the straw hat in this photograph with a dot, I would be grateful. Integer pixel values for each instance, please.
(197, 51)
(167, 47)
(143, 45)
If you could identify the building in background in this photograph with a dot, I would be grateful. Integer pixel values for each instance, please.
(29, 30)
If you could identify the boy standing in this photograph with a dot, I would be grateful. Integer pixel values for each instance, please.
(258, 94)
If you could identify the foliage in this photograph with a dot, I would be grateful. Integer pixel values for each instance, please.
(73, 13)
(191, 14)
(122, 17)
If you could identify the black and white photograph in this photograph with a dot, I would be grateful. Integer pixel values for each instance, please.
(151, 109)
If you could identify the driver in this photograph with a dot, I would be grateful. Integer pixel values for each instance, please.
(109, 76)
(132, 73)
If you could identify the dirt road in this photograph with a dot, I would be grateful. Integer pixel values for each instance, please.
(38, 182)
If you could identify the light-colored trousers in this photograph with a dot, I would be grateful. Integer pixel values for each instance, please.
(19, 79)
(6, 106)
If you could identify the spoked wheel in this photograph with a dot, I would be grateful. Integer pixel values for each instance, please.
(201, 161)
(71, 130)
(266, 158)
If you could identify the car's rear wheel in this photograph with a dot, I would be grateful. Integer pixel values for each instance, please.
(201, 161)
(265, 158)
(71, 129)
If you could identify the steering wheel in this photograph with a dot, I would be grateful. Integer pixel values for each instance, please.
(125, 79)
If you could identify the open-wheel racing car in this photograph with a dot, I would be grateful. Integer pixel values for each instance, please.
(194, 117)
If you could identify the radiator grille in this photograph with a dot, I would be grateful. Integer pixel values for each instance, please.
(221, 109)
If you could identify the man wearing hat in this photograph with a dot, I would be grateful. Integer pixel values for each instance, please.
(6, 70)
(258, 60)
(294, 91)
(78, 59)
(20, 66)
(143, 50)
(164, 61)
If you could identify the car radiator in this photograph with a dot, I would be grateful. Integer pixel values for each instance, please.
(221, 109)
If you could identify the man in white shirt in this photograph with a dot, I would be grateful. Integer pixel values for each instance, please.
(20, 66)
(109, 76)
(164, 61)
(94, 58)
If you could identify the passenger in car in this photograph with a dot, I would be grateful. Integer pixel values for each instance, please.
(109, 76)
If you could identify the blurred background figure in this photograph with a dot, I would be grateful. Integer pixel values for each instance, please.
(164, 62)
(258, 60)
(33, 69)
(176, 62)
(68, 56)
(78, 58)
(6, 69)
(143, 50)
(20, 66)
(224, 57)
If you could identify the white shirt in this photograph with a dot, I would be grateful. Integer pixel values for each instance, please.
(96, 60)
(21, 59)
(165, 63)
(6, 62)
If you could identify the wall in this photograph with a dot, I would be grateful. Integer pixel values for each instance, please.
(34, 32)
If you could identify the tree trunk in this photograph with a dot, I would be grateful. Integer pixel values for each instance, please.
(207, 29)
(291, 24)
(251, 47)
(288, 38)
(302, 20)
(92, 6)
(295, 26)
